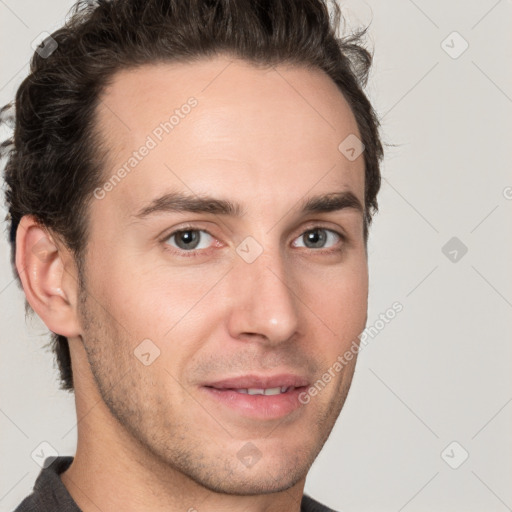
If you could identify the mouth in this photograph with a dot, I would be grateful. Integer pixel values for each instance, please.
(259, 397)
(262, 391)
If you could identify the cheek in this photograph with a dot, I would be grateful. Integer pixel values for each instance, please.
(354, 296)
(174, 308)
(340, 301)
(342, 287)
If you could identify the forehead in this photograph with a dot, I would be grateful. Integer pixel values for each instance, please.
(226, 126)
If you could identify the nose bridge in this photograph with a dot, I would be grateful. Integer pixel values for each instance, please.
(264, 302)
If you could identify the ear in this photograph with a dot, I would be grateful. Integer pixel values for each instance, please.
(49, 277)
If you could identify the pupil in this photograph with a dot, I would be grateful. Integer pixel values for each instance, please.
(317, 234)
(188, 237)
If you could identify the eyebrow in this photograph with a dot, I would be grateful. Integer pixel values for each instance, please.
(179, 202)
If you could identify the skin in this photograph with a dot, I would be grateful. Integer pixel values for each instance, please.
(268, 139)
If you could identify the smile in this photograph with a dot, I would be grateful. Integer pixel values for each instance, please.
(268, 391)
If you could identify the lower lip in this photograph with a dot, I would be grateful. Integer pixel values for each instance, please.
(262, 407)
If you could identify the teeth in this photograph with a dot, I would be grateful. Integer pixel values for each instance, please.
(255, 391)
(260, 391)
(273, 391)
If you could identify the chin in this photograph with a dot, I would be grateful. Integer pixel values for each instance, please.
(249, 483)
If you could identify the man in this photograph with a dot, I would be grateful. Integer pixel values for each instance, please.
(190, 187)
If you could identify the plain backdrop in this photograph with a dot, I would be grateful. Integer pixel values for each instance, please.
(428, 420)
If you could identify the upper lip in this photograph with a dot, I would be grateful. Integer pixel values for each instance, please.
(260, 382)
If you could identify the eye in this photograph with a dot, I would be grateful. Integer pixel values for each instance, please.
(189, 239)
(316, 238)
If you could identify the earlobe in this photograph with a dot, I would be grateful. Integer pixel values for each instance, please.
(41, 265)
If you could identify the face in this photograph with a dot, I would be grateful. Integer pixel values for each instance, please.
(193, 306)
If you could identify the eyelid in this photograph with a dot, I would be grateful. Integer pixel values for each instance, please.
(321, 224)
(186, 227)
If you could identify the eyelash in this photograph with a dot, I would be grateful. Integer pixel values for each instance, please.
(199, 252)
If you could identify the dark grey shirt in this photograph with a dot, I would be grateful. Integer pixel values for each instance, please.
(51, 495)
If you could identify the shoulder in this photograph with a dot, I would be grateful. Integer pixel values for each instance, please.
(49, 492)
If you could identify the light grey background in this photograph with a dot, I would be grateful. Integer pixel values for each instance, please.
(440, 371)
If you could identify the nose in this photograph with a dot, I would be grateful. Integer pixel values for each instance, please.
(264, 303)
